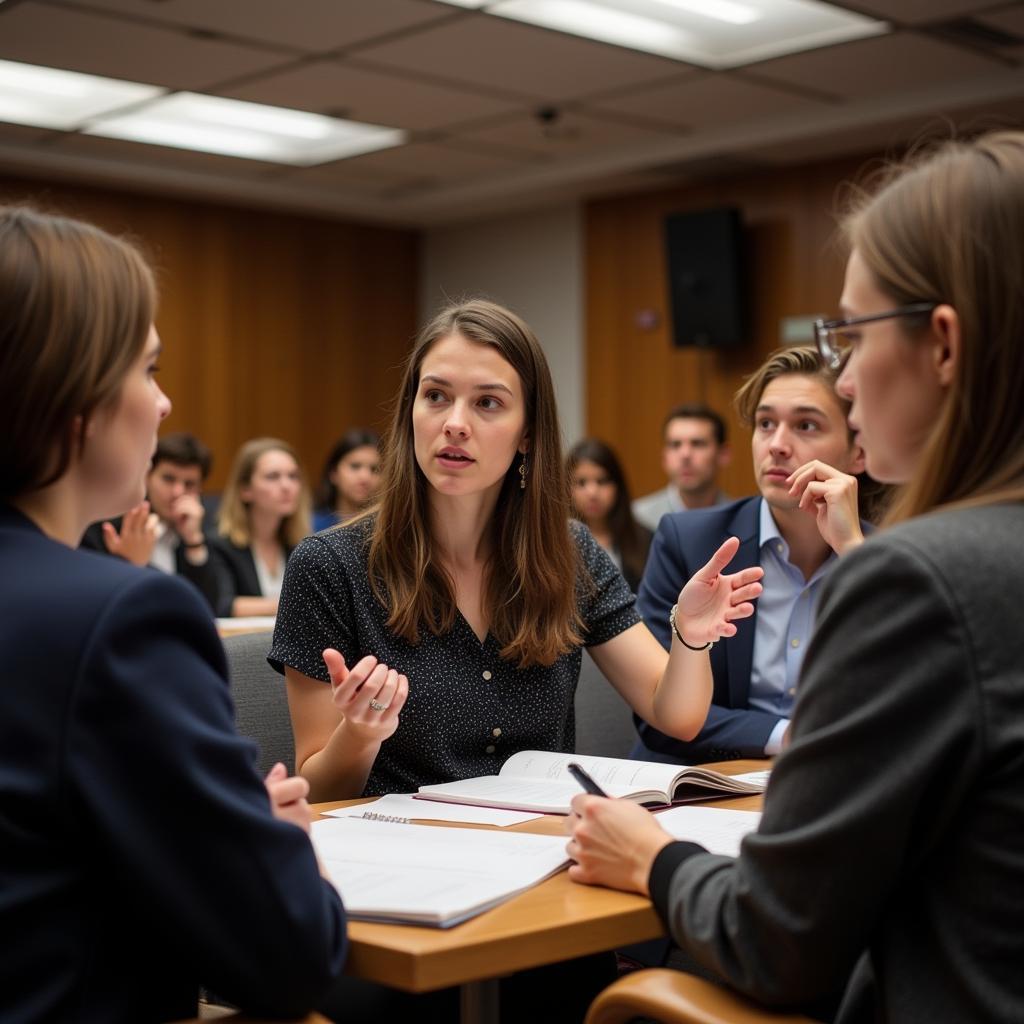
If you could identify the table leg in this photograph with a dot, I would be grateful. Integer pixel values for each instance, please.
(478, 1002)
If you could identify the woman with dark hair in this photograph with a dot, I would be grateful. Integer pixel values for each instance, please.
(433, 637)
(349, 480)
(888, 868)
(140, 856)
(263, 514)
(600, 499)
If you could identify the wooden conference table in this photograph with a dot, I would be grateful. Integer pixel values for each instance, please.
(556, 920)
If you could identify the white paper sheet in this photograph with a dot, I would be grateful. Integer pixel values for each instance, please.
(423, 874)
(718, 829)
(402, 806)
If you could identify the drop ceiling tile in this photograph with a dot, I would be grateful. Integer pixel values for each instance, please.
(99, 44)
(572, 134)
(439, 162)
(893, 138)
(1010, 19)
(902, 62)
(370, 96)
(708, 101)
(315, 25)
(124, 152)
(915, 12)
(497, 54)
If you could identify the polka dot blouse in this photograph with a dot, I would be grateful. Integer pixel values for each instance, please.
(468, 709)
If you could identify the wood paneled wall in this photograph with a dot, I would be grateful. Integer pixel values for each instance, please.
(272, 324)
(634, 375)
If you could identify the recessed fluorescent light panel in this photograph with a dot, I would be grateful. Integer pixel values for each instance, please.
(253, 131)
(51, 98)
(710, 33)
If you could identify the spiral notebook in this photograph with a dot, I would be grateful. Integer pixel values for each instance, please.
(426, 875)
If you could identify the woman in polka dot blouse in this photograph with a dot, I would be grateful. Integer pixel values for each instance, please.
(449, 619)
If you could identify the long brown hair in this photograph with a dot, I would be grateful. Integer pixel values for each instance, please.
(530, 584)
(76, 305)
(948, 227)
(233, 516)
(630, 541)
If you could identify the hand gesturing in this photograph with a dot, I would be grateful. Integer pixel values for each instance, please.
(711, 601)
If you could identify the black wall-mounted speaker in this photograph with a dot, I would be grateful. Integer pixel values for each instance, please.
(705, 278)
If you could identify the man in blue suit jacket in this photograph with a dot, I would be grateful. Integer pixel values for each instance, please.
(794, 530)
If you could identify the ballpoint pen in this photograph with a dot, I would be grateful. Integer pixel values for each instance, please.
(584, 779)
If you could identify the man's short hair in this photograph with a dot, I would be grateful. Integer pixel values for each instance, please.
(183, 450)
(696, 411)
(801, 359)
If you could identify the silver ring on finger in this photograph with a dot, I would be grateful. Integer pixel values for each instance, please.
(375, 705)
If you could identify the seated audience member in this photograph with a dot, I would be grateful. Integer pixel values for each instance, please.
(349, 479)
(889, 860)
(694, 449)
(600, 500)
(264, 513)
(797, 420)
(140, 855)
(166, 530)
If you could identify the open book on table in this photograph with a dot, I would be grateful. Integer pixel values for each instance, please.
(537, 780)
(426, 875)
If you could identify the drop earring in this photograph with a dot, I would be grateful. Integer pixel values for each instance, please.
(522, 473)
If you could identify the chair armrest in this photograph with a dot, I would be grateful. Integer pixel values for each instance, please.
(675, 997)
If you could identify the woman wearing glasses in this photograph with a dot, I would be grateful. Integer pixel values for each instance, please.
(888, 869)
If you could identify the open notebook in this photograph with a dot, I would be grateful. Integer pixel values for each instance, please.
(537, 780)
(419, 874)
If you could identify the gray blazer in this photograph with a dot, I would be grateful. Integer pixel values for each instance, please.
(890, 858)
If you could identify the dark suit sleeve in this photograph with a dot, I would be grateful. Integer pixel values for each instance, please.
(728, 732)
(207, 578)
(180, 813)
(884, 740)
(236, 574)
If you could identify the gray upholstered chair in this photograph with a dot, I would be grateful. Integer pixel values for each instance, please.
(604, 722)
(261, 703)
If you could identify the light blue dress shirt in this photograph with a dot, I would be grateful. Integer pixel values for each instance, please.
(785, 619)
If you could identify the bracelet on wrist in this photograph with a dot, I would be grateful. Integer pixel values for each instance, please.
(679, 636)
(193, 546)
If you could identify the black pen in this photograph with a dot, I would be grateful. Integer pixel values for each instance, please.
(584, 779)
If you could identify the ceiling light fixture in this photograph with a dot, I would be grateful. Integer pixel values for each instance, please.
(719, 10)
(214, 124)
(709, 33)
(52, 98)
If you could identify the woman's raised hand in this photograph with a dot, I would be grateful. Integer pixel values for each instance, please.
(370, 695)
(831, 496)
(137, 537)
(712, 600)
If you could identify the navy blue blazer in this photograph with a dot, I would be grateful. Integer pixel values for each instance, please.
(138, 855)
(684, 542)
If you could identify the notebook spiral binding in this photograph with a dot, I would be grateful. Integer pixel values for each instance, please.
(396, 818)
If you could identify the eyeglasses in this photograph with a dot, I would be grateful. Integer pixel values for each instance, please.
(830, 335)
